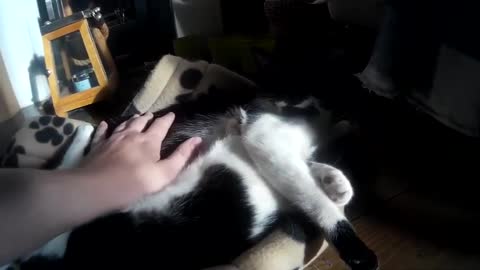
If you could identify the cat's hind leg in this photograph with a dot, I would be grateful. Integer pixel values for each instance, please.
(280, 150)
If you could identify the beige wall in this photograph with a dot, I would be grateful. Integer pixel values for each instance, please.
(8, 102)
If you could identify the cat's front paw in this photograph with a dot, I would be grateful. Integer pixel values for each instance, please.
(333, 182)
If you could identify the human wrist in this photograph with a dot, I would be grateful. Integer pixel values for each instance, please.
(107, 189)
(85, 194)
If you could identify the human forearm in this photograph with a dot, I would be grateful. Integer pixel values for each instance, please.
(37, 205)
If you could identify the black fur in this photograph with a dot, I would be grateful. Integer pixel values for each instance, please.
(42, 263)
(298, 226)
(351, 249)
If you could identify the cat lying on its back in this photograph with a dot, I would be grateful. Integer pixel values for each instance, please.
(254, 173)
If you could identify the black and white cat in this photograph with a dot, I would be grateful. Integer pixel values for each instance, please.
(253, 174)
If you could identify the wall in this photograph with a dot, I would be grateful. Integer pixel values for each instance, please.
(8, 103)
(10, 118)
(20, 42)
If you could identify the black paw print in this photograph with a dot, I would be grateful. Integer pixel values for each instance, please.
(10, 158)
(54, 133)
(190, 78)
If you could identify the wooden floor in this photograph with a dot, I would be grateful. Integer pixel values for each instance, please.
(426, 214)
(401, 249)
(423, 227)
(425, 221)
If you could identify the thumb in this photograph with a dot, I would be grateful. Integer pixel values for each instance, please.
(177, 160)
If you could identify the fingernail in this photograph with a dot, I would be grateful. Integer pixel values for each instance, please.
(149, 114)
(136, 115)
(170, 114)
(196, 140)
(103, 123)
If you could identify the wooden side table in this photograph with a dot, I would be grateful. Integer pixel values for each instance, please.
(77, 75)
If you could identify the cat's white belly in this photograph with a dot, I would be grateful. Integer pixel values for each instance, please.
(229, 152)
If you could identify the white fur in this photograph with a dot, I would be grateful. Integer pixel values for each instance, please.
(310, 101)
(228, 152)
(280, 151)
(281, 104)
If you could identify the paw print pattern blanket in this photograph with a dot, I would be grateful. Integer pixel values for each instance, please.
(39, 141)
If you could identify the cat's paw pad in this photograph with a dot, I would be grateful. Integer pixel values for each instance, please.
(51, 129)
(337, 187)
(333, 182)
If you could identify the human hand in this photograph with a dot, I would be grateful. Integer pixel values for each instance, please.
(129, 163)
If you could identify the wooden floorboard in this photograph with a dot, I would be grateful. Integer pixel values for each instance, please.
(434, 237)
